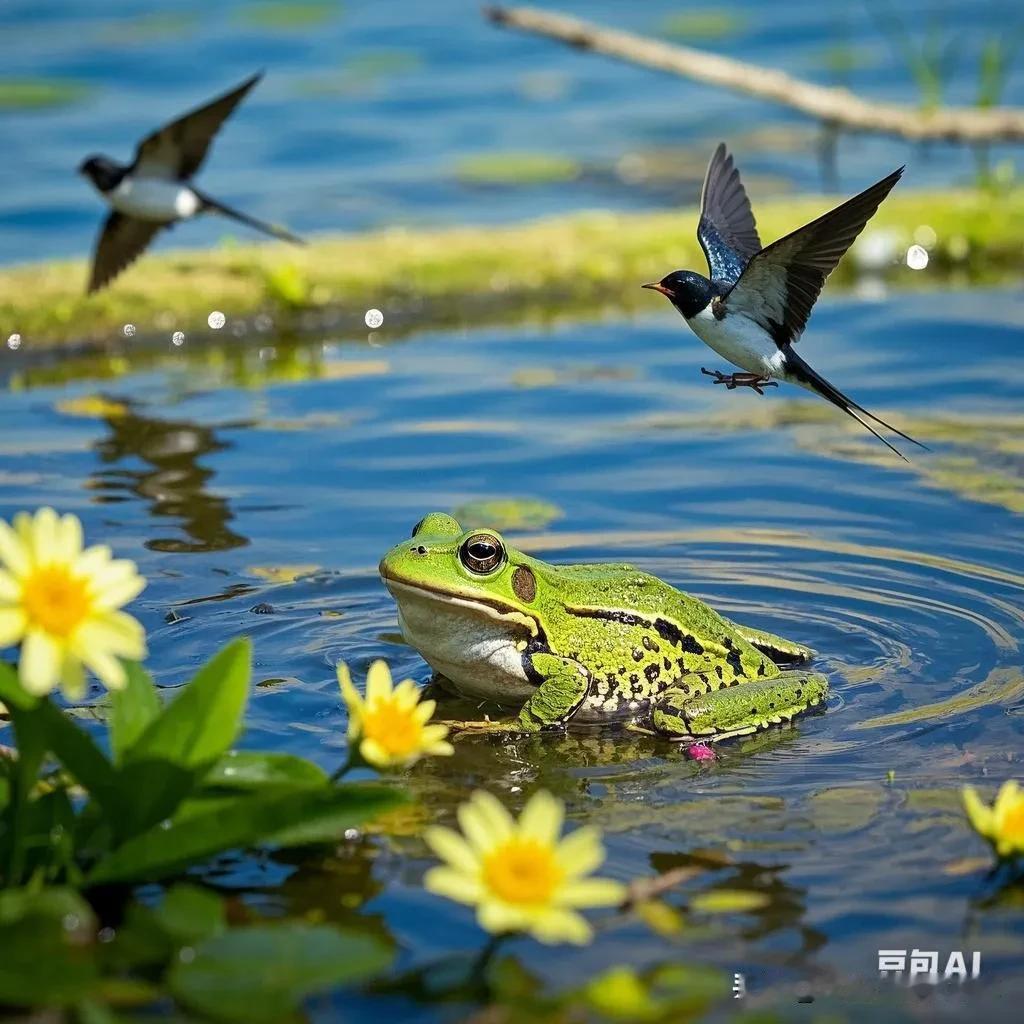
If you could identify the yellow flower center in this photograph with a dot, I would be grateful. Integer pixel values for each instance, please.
(522, 871)
(393, 727)
(1013, 823)
(55, 600)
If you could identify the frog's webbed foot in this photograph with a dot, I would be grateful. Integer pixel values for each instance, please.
(738, 710)
(732, 381)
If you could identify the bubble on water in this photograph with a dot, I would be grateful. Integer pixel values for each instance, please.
(129, 330)
(178, 338)
(14, 342)
(374, 318)
(216, 320)
(917, 257)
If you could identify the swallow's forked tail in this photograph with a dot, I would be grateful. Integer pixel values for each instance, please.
(209, 203)
(803, 374)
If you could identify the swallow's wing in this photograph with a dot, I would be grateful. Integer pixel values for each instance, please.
(178, 149)
(121, 241)
(782, 282)
(727, 232)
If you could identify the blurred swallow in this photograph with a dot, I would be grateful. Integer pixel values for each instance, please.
(155, 190)
(756, 303)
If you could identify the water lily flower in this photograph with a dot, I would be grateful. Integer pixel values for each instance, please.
(62, 604)
(522, 876)
(390, 727)
(1002, 824)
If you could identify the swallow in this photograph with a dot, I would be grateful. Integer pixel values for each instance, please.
(755, 304)
(155, 190)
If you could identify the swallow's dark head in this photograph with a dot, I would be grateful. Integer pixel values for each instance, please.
(687, 290)
(103, 172)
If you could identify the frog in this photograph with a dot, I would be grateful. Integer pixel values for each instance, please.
(587, 645)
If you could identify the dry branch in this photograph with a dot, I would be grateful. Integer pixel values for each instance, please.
(837, 107)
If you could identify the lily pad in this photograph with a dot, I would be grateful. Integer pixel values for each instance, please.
(844, 808)
(508, 514)
(263, 973)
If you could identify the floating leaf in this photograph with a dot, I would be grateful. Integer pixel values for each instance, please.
(95, 407)
(189, 914)
(508, 514)
(38, 93)
(281, 573)
(844, 808)
(728, 901)
(263, 973)
(279, 14)
(509, 169)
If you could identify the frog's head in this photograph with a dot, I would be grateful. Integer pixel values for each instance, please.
(468, 603)
(472, 569)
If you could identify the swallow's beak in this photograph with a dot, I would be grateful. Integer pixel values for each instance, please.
(657, 286)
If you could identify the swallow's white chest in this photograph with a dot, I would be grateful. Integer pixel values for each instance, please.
(739, 339)
(153, 199)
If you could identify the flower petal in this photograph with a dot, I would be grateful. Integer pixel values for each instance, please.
(555, 926)
(581, 852)
(72, 678)
(106, 668)
(67, 538)
(451, 847)
(542, 818)
(592, 892)
(39, 666)
(378, 682)
(13, 552)
(455, 885)
(499, 918)
(484, 821)
(978, 813)
(13, 622)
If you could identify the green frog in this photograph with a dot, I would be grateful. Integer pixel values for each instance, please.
(597, 643)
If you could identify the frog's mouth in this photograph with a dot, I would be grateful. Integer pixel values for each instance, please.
(490, 607)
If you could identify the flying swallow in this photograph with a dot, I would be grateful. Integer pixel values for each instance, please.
(155, 190)
(755, 305)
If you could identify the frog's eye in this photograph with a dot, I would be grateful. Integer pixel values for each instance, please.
(482, 553)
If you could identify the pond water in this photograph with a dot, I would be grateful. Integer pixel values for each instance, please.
(257, 489)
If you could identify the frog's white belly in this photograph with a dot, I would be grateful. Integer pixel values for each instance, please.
(154, 199)
(466, 643)
(740, 340)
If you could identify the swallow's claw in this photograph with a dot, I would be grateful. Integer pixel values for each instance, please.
(740, 380)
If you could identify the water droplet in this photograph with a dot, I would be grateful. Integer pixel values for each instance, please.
(14, 342)
(351, 834)
(374, 318)
(129, 330)
(178, 338)
(917, 257)
(216, 320)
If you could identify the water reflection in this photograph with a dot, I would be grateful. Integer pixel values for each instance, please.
(173, 482)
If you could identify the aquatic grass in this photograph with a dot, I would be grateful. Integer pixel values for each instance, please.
(281, 15)
(39, 93)
(561, 266)
(702, 25)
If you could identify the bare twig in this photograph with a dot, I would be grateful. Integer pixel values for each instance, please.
(838, 107)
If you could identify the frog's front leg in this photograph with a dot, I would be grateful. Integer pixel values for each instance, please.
(735, 710)
(562, 691)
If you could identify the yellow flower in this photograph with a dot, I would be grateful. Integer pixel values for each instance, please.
(522, 876)
(62, 605)
(1002, 824)
(389, 726)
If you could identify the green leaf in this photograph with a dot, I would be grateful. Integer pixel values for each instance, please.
(209, 825)
(189, 914)
(11, 691)
(77, 751)
(167, 760)
(202, 722)
(132, 709)
(263, 973)
(241, 769)
(47, 942)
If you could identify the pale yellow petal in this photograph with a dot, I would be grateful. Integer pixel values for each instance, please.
(453, 848)
(406, 694)
(425, 711)
(484, 821)
(95, 562)
(556, 926)
(592, 892)
(542, 818)
(434, 734)
(455, 885)
(111, 633)
(72, 678)
(39, 666)
(10, 587)
(44, 536)
(352, 697)
(378, 682)
(1006, 799)
(978, 813)
(499, 918)
(439, 748)
(68, 538)
(373, 753)
(13, 623)
(581, 851)
(13, 553)
(106, 668)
